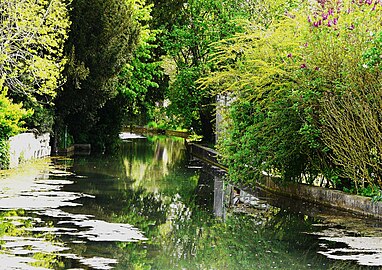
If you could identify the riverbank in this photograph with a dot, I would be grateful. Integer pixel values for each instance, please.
(328, 197)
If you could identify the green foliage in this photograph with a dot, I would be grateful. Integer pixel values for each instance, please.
(11, 115)
(32, 37)
(152, 124)
(304, 94)
(137, 80)
(195, 25)
(266, 126)
(372, 56)
(350, 78)
(102, 39)
(4, 154)
(32, 34)
(185, 98)
(135, 84)
(11, 123)
(377, 197)
(42, 119)
(194, 138)
(372, 191)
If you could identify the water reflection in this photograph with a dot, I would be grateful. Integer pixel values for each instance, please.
(149, 166)
(219, 197)
(150, 207)
(30, 240)
(21, 249)
(342, 237)
(364, 250)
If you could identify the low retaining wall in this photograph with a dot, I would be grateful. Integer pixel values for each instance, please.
(329, 197)
(27, 146)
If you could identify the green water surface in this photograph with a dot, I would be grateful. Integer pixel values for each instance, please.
(148, 206)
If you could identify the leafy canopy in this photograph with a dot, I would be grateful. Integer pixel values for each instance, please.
(32, 34)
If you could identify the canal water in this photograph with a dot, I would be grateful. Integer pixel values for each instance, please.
(150, 206)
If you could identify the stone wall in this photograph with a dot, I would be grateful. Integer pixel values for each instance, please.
(27, 146)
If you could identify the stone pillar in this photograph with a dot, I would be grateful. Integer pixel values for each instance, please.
(222, 103)
(218, 197)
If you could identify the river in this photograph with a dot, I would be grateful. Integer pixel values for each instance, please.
(149, 206)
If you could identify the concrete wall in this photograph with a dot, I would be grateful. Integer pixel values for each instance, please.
(27, 146)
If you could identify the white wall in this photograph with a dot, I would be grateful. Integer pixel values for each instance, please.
(27, 146)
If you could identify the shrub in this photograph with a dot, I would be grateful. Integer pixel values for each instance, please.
(305, 95)
(11, 116)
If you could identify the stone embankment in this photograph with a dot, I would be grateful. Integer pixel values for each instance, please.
(28, 146)
(329, 197)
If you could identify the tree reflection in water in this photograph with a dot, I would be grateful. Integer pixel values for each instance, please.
(22, 248)
(180, 213)
(174, 207)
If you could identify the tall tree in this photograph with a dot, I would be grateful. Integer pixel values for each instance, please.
(139, 80)
(137, 87)
(103, 36)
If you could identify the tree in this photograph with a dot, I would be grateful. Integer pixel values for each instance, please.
(32, 35)
(187, 40)
(103, 36)
(135, 85)
(138, 81)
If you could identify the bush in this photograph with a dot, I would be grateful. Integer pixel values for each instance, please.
(152, 124)
(347, 60)
(11, 116)
(4, 154)
(305, 95)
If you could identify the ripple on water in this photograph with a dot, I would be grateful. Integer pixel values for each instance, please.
(96, 230)
(366, 251)
(44, 197)
(13, 262)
